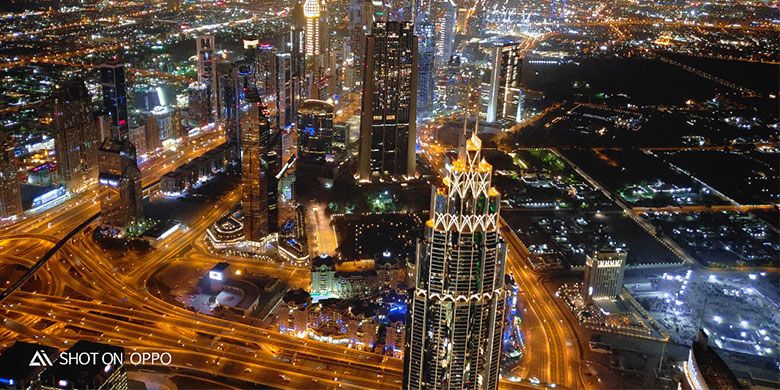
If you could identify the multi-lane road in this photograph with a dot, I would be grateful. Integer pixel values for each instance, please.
(86, 296)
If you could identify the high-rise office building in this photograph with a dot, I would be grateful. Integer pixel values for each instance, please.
(265, 65)
(198, 104)
(389, 102)
(75, 135)
(10, 197)
(313, 34)
(120, 202)
(505, 98)
(604, 275)
(454, 325)
(357, 32)
(295, 46)
(286, 91)
(272, 161)
(255, 126)
(112, 79)
(317, 50)
(445, 40)
(477, 23)
(152, 134)
(315, 132)
(207, 70)
(297, 40)
(228, 95)
(427, 50)
(137, 137)
(260, 163)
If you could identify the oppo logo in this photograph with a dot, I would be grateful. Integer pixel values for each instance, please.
(40, 359)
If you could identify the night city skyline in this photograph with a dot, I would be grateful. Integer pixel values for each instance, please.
(386, 194)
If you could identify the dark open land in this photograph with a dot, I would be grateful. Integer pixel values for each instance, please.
(573, 235)
(537, 178)
(721, 239)
(641, 179)
(748, 178)
(365, 236)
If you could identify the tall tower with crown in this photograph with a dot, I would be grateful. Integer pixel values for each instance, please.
(456, 313)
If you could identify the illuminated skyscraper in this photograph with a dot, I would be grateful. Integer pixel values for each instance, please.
(120, 202)
(313, 34)
(286, 91)
(10, 198)
(228, 93)
(260, 164)
(604, 275)
(207, 70)
(75, 135)
(445, 39)
(112, 79)
(199, 104)
(455, 321)
(272, 163)
(265, 65)
(358, 30)
(427, 49)
(291, 65)
(315, 132)
(389, 102)
(505, 98)
(477, 22)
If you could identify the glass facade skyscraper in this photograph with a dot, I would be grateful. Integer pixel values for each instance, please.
(389, 105)
(260, 165)
(112, 79)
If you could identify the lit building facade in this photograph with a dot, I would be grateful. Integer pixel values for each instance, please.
(604, 275)
(112, 80)
(505, 98)
(705, 369)
(455, 320)
(10, 197)
(286, 91)
(313, 34)
(445, 40)
(389, 103)
(260, 165)
(315, 132)
(265, 69)
(426, 32)
(207, 70)
(199, 104)
(296, 45)
(75, 136)
(120, 202)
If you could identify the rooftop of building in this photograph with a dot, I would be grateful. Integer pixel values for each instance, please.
(298, 296)
(315, 107)
(323, 260)
(716, 373)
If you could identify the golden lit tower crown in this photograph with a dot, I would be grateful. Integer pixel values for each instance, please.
(472, 203)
